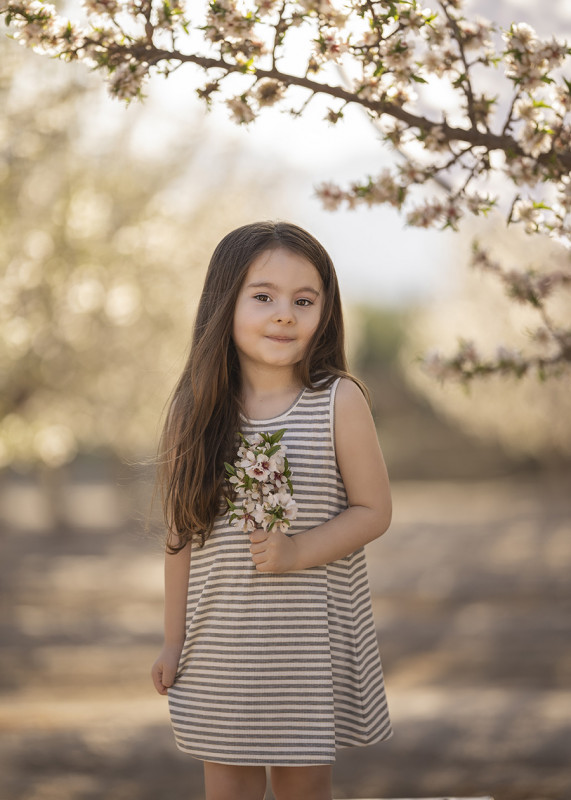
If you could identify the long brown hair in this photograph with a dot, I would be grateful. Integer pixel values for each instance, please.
(203, 415)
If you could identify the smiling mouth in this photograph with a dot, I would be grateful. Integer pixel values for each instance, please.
(283, 339)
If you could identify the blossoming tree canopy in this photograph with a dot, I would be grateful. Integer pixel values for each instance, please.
(381, 56)
(387, 50)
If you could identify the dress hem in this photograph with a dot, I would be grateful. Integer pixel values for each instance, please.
(247, 761)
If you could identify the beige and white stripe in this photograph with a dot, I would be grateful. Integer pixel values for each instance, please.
(281, 669)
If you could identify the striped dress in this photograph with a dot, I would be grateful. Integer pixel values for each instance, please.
(281, 669)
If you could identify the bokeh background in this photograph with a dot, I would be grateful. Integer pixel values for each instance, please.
(108, 216)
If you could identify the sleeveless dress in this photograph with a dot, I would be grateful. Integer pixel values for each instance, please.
(281, 669)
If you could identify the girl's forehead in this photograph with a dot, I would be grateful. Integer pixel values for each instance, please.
(283, 265)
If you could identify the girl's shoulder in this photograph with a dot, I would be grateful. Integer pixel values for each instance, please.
(350, 397)
(346, 387)
(343, 394)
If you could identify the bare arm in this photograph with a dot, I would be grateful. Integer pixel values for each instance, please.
(177, 567)
(364, 474)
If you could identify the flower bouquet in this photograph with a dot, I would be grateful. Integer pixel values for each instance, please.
(261, 484)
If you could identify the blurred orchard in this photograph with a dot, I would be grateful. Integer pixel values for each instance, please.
(99, 274)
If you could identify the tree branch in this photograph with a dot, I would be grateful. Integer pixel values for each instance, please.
(485, 139)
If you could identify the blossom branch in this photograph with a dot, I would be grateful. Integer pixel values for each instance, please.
(395, 50)
(464, 80)
(528, 287)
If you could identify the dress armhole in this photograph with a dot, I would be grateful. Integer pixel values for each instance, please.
(334, 386)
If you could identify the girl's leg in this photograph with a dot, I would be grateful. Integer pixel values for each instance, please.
(230, 782)
(309, 783)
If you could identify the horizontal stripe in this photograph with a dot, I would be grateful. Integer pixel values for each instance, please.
(281, 669)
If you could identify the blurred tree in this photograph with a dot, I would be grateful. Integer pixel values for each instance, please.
(100, 265)
(381, 335)
(378, 56)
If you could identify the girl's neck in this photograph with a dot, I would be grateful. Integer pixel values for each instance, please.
(265, 395)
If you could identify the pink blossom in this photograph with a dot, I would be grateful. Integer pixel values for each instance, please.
(425, 215)
(330, 195)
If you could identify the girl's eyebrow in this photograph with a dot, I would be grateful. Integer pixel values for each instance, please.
(268, 285)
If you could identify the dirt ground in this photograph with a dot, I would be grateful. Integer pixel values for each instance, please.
(472, 598)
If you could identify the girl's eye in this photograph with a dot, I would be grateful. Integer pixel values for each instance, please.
(263, 297)
(304, 302)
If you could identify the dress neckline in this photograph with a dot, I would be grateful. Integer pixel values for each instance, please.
(278, 416)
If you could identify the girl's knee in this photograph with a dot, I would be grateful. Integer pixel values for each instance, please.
(309, 783)
(230, 781)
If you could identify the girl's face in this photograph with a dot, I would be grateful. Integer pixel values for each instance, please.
(277, 310)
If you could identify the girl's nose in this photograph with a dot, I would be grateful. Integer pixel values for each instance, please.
(283, 315)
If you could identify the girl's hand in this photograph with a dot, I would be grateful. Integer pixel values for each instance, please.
(164, 669)
(272, 551)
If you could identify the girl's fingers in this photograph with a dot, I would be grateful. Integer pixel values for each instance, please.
(157, 674)
(258, 535)
(167, 678)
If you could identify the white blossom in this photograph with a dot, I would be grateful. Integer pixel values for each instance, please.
(324, 9)
(126, 81)
(535, 140)
(416, 18)
(261, 484)
(266, 7)
(529, 214)
(523, 171)
(434, 62)
(269, 92)
(564, 194)
(522, 36)
(110, 7)
(526, 109)
(240, 110)
(42, 27)
(436, 140)
(167, 14)
(330, 46)
(475, 33)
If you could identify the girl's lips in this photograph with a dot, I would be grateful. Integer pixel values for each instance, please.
(280, 338)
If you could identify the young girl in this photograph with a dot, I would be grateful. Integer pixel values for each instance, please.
(270, 655)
